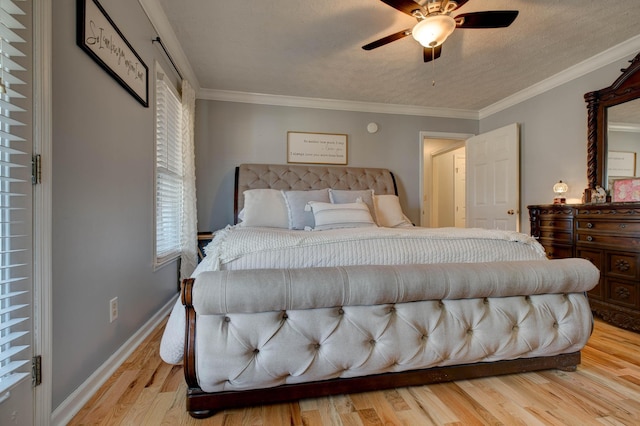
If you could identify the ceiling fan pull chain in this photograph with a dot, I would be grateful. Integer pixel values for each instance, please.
(433, 66)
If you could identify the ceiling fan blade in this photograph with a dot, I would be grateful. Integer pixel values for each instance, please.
(460, 3)
(429, 55)
(487, 19)
(406, 6)
(388, 39)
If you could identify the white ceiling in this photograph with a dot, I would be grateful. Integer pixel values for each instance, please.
(312, 49)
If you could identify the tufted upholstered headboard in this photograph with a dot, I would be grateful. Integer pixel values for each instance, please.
(301, 178)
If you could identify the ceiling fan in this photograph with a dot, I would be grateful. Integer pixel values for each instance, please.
(435, 23)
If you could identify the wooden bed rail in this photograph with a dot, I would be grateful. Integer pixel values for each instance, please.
(186, 295)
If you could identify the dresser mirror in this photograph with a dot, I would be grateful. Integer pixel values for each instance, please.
(613, 120)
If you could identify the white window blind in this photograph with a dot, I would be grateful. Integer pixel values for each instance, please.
(169, 172)
(15, 199)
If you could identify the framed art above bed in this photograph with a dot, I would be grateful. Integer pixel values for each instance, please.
(316, 148)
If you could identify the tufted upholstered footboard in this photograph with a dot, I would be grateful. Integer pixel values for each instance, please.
(264, 336)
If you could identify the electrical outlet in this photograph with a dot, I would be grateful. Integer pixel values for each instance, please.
(113, 309)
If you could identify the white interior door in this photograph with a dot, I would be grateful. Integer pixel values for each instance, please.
(493, 179)
(459, 188)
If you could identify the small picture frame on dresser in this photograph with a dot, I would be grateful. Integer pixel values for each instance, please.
(626, 190)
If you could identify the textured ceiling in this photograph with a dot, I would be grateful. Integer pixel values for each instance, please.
(313, 48)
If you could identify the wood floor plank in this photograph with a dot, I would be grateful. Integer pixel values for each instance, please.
(605, 390)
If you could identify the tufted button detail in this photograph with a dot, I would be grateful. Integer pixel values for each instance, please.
(392, 309)
(527, 299)
(515, 328)
(341, 311)
(316, 346)
(256, 351)
(227, 319)
(555, 324)
(440, 304)
(285, 315)
(469, 332)
(372, 341)
(485, 300)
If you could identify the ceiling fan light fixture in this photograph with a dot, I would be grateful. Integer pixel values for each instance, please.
(433, 30)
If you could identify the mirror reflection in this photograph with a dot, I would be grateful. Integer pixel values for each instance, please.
(623, 141)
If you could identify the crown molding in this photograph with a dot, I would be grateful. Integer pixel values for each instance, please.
(163, 28)
(333, 104)
(620, 51)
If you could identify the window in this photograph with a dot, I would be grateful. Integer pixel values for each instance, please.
(169, 171)
(15, 199)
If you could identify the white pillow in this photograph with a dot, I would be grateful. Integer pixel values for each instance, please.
(296, 201)
(388, 211)
(340, 196)
(345, 215)
(264, 207)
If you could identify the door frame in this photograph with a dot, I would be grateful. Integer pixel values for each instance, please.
(42, 196)
(425, 165)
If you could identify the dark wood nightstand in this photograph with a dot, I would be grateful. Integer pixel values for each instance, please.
(204, 238)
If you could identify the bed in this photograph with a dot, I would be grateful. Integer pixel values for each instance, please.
(356, 298)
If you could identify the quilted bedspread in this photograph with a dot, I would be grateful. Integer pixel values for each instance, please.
(238, 247)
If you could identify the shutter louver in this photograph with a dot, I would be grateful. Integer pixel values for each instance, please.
(15, 199)
(169, 174)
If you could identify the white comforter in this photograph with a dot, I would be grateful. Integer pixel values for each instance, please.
(237, 247)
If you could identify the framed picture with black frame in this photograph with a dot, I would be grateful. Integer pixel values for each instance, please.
(101, 39)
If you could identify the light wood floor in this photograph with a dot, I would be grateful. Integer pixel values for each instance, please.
(604, 391)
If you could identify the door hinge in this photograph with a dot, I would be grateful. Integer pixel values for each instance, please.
(36, 169)
(36, 370)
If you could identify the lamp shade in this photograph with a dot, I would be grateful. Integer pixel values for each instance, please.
(434, 30)
(560, 188)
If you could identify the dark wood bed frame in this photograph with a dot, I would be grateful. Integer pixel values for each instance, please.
(201, 404)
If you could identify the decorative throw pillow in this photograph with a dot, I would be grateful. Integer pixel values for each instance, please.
(296, 202)
(264, 207)
(389, 212)
(340, 196)
(345, 215)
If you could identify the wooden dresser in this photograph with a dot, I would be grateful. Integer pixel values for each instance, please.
(609, 236)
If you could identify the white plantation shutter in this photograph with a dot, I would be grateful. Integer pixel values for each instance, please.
(15, 202)
(169, 172)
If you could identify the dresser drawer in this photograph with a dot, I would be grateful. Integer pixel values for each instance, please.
(593, 256)
(556, 251)
(622, 293)
(608, 226)
(555, 223)
(556, 235)
(622, 265)
(616, 241)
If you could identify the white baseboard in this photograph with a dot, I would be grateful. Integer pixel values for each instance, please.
(72, 405)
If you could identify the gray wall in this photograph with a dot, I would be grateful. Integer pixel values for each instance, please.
(103, 171)
(553, 138)
(552, 126)
(229, 133)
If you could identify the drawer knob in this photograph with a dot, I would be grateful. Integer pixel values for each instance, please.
(589, 238)
(589, 225)
(552, 223)
(622, 225)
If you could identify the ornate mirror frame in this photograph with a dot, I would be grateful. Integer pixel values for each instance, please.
(624, 89)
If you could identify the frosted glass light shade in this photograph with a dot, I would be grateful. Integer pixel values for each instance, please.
(433, 30)
(560, 188)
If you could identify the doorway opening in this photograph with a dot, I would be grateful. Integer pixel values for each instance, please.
(442, 192)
